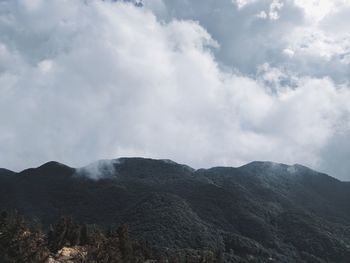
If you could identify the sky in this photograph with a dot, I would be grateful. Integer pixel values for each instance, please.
(201, 82)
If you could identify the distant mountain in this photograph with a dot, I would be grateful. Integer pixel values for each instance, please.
(260, 212)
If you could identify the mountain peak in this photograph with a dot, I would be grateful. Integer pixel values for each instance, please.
(52, 164)
(49, 168)
(264, 166)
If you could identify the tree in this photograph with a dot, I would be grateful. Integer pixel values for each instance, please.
(19, 243)
(125, 244)
(65, 233)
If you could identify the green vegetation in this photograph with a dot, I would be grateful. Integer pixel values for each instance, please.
(260, 212)
(69, 242)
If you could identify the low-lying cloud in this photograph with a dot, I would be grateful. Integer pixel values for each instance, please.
(86, 80)
(100, 169)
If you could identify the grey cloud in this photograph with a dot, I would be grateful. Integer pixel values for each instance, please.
(247, 41)
(335, 156)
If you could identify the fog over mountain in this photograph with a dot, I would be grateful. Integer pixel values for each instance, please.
(205, 82)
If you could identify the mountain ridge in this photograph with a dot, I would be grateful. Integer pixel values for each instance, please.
(262, 209)
(249, 164)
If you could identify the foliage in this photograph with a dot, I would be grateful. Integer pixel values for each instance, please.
(19, 243)
(68, 241)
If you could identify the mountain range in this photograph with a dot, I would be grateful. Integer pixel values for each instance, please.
(259, 212)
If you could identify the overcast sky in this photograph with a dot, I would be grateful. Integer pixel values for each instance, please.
(201, 82)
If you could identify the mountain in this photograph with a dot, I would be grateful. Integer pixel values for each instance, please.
(260, 212)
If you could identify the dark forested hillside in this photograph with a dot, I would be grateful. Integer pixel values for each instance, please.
(260, 212)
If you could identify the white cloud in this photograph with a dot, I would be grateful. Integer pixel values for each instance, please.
(86, 80)
(242, 3)
(289, 52)
(316, 10)
(317, 43)
(45, 66)
(262, 15)
(273, 11)
(275, 8)
(99, 169)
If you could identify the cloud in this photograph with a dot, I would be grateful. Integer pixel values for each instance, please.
(242, 3)
(241, 29)
(99, 169)
(265, 29)
(317, 10)
(86, 80)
